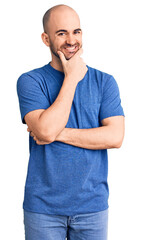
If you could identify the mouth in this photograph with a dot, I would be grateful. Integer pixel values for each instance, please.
(71, 49)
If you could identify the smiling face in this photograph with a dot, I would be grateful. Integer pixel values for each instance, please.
(67, 41)
(64, 33)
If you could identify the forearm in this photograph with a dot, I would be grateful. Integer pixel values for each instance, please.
(104, 137)
(55, 118)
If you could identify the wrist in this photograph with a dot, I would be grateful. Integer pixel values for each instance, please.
(62, 136)
(71, 80)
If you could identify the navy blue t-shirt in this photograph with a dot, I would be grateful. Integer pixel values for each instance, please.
(63, 179)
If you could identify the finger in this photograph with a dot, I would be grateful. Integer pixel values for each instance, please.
(41, 142)
(29, 130)
(35, 138)
(79, 52)
(62, 57)
(32, 135)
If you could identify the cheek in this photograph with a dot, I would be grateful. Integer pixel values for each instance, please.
(58, 43)
(79, 39)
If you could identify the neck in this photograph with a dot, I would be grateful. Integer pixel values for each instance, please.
(57, 65)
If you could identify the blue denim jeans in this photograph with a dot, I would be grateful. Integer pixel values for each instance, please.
(91, 226)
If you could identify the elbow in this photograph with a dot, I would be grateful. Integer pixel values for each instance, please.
(118, 142)
(50, 134)
(117, 136)
(47, 136)
(114, 144)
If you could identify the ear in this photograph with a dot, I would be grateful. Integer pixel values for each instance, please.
(45, 39)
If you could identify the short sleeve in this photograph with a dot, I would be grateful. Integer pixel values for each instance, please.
(31, 94)
(111, 102)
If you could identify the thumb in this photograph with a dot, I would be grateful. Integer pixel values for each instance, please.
(62, 57)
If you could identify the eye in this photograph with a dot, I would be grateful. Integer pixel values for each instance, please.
(77, 32)
(61, 34)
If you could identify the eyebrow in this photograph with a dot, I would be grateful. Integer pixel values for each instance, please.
(63, 30)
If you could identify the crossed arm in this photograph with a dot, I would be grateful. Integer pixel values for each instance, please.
(109, 135)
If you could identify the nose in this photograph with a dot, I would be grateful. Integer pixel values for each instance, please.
(70, 39)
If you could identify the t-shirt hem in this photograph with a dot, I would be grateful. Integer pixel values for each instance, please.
(65, 214)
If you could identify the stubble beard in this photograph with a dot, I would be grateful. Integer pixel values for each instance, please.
(56, 54)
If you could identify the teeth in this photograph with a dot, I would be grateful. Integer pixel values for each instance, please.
(70, 48)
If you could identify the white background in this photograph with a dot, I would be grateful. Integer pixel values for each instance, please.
(111, 43)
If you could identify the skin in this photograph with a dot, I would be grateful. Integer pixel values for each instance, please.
(111, 134)
(61, 40)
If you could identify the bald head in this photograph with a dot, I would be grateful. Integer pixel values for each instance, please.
(52, 11)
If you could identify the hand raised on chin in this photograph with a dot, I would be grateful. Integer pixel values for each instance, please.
(74, 68)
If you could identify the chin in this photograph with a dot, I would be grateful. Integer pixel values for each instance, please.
(67, 58)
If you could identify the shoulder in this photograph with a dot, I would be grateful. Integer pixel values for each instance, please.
(34, 76)
(100, 76)
(35, 73)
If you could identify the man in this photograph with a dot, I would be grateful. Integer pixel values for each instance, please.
(74, 114)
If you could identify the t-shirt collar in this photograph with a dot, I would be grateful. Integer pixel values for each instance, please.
(54, 71)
